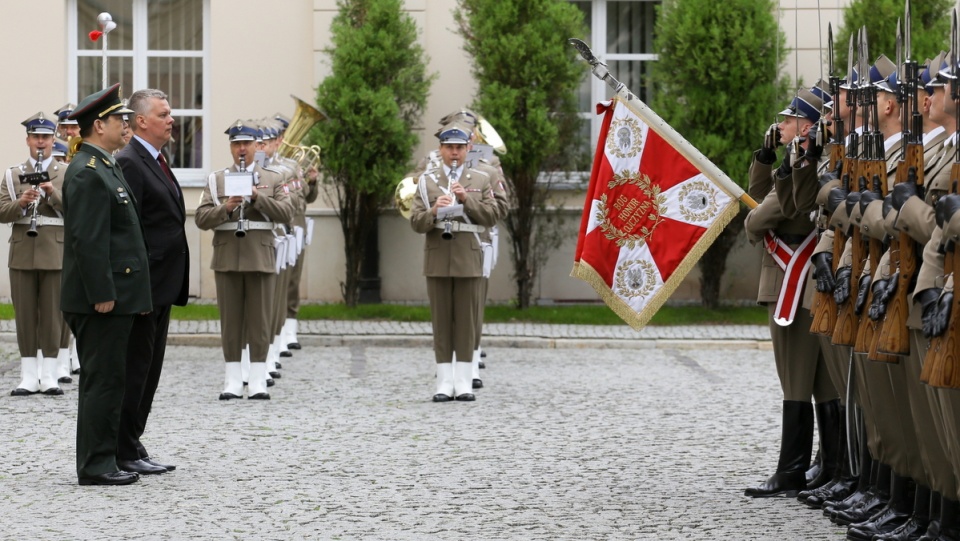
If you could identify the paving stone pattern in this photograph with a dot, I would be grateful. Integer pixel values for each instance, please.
(578, 444)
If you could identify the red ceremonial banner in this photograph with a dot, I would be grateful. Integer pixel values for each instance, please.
(648, 216)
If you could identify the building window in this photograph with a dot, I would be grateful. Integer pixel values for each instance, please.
(621, 35)
(156, 44)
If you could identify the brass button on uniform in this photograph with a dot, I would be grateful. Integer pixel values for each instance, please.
(127, 270)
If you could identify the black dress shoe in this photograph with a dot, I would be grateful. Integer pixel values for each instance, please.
(112, 478)
(53, 391)
(483, 354)
(482, 365)
(787, 484)
(286, 353)
(477, 383)
(275, 375)
(293, 345)
(910, 530)
(228, 396)
(152, 462)
(440, 397)
(831, 492)
(139, 466)
(270, 382)
(259, 396)
(885, 522)
(867, 508)
(277, 364)
(75, 371)
(64, 379)
(19, 391)
(466, 397)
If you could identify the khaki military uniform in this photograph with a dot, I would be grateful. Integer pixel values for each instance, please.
(245, 267)
(35, 262)
(454, 267)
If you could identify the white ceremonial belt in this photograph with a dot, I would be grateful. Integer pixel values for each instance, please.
(41, 221)
(460, 226)
(248, 225)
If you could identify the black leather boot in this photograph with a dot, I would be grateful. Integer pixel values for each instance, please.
(874, 502)
(933, 529)
(842, 485)
(829, 425)
(896, 513)
(868, 472)
(816, 467)
(949, 519)
(796, 441)
(919, 521)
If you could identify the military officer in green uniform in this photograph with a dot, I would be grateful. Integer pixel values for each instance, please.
(105, 281)
(30, 202)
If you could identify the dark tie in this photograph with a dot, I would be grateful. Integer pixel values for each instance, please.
(166, 169)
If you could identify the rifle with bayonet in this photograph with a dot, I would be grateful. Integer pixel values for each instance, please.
(825, 309)
(876, 177)
(941, 365)
(844, 332)
(894, 336)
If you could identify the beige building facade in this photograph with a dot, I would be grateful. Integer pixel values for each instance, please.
(220, 60)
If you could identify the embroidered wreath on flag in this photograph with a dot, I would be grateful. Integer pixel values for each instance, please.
(635, 278)
(653, 207)
(625, 137)
(697, 202)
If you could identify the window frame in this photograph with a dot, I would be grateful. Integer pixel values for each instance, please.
(188, 177)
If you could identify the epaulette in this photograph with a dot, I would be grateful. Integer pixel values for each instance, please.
(92, 164)
(106, 162)
(481, 172)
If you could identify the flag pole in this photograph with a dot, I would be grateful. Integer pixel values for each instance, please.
(637, 107)
(105, 20)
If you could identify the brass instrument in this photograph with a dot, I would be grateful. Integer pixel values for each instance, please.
(404, 194)
(305, 117)
(73, 146)
(34, 180)
(487, 135)
(241, 225)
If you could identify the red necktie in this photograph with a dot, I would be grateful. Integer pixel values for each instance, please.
(166, 169)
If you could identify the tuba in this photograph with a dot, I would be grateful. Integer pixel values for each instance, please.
(404, 194)
(487, 135)
(304, 118)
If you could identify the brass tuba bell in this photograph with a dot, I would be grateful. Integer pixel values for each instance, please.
(404, 194)
(304, 118)
(486, 134)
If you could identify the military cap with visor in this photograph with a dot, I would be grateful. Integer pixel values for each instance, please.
(99, 105)
(40, 124)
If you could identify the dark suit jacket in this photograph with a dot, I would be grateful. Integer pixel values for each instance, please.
(104, 253)
(163, 214)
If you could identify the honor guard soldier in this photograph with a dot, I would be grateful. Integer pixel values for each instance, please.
(106, 280)
(243, 204)
(786, 231)
(453, 205)
(31, 200)
(67, 128)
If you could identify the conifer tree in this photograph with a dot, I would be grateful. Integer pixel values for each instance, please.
(373, 99)
(527, 76)
(716, 83)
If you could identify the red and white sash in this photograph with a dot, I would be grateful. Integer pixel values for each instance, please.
(795, 264)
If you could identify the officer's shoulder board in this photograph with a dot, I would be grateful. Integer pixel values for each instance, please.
(92, 164)
(484, 173)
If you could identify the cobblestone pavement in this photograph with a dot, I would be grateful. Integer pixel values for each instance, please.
(578, 444)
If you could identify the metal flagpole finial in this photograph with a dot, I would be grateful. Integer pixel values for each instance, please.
(599, 68)
(105, 21)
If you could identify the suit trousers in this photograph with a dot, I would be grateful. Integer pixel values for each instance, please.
(145, 352)
(883, 383)
(800, 365)
(453, 310)
(926, 421)
(102, 346)
(245, 300)
(36, 304)
(279, 311)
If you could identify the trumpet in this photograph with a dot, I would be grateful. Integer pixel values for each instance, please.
(34, 180)
(241, 225)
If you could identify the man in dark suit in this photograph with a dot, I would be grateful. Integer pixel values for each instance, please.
(162, 213)
(105, 281)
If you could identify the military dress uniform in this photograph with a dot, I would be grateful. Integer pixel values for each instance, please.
(453, 266)
(245, 267)
(104, 260)
(797, 355)
(35, 261)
